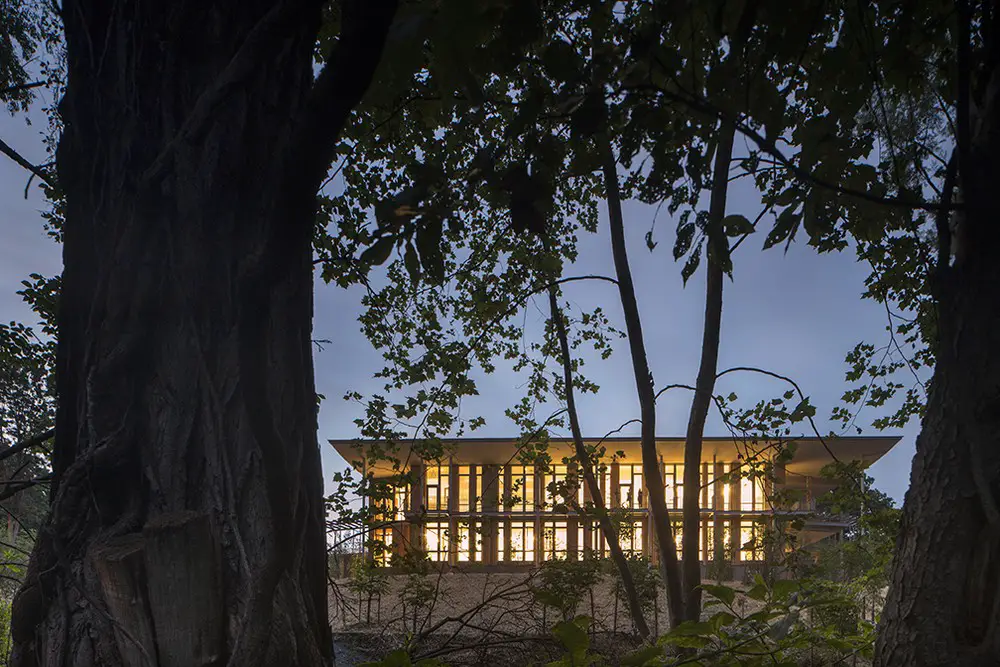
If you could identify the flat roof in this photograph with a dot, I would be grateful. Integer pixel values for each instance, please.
(811, 453)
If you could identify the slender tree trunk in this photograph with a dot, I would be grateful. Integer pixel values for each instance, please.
(187, 518)
(583, 458)
(651, 468)
(705, 383)
(943, 606)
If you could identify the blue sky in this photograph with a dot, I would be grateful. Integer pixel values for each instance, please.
(796, 314)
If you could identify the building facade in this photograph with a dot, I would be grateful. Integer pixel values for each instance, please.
(480, 507)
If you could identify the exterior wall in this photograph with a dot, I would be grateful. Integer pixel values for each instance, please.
(491, 533)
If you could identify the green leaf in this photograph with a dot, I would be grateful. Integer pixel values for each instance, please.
(737, 225)
(685, 235)
(411, 262)
(782, 588)
(377, 254)
(641, 657)
(724, 593)
(428, 240)
(561, 61)
(590, 117)
(573, 634)
(692, 264)
(784, 228)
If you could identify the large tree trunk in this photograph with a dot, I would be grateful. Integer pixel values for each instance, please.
(943, 606)
(187, 520)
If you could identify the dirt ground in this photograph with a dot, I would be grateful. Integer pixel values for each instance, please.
(476, 619)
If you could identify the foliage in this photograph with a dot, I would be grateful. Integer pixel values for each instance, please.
(401, 658)
(574, 637)
(763, 625)
(563, 584)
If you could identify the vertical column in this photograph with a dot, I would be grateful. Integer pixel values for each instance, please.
(417, 504)
(612, 493)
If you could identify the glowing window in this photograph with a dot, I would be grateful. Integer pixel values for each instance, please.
(520, 497)
(727, 487)
(436, 540)
(466, 501)
(554, 541)
(673, 480)
(598, 544)
(522, 541)
(630, 485)
(470, 542)
(401, 501)
(708, 486)
(752, 497)
(751, 541)
(436, 489)
(382, 545)
(630, 538)
(678, 537)
(555, 481)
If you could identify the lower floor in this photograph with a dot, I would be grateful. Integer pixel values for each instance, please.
(511, 539)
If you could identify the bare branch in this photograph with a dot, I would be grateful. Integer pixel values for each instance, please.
(22, 162)
(21, 86)
(33, 441)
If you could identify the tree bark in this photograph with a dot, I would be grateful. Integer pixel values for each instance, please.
(186, 426)
(943, 606)
(705, 384)
(652, 471)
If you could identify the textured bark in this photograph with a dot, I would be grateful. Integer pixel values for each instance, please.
(187, 409)
(705, 384)
(943, 606)
(652, 471)
(583, 459)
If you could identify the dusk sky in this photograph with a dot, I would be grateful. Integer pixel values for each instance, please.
(796, 314)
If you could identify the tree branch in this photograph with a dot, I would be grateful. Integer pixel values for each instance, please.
(19, 159)
(21, 86)
(33, 441)
(628, 583)
(341, 84)
(771, 148)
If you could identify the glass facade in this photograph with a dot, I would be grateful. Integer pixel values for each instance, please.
(519, 514)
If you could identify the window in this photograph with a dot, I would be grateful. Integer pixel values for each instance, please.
(674, 482)
(437, 488)
(521, 535)
(466, 497)
(727, 487)
(752, 497)
(382, 545)
(555, 478)
(598, 545)
(470, 542)
(520, 497)
(554, 542)
(436, 540)
(401, 502)
(630, 485)
(678, 537)
(708, 486)
(751, 541)
(630, 538)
